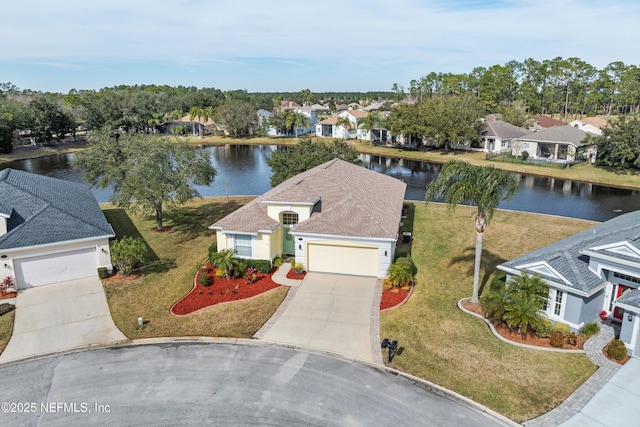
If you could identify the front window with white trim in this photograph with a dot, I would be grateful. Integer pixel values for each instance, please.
(242, 245)
(553, 305)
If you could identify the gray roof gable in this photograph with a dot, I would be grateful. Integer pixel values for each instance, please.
(48, 210)
(566, 256)
(503, 130)
(566, 134)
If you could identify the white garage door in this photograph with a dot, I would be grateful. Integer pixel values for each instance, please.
(343, 260)
(46, 269)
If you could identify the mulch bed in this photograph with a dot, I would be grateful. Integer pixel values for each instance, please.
(8, 295)
(391, 300)
(291, 274)
(530, 339)
(120, 278)
(221, 291)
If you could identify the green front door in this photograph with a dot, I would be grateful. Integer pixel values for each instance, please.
(289, 219)
(288, 245)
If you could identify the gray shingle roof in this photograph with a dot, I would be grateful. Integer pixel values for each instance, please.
(566, 258)
(566, 133)
(351, 201)
(503, 130)
(630, 298)
(48, 210)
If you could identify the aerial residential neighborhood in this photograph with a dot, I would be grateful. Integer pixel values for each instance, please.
(247, 214)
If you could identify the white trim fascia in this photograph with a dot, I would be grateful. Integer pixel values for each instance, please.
(50, 245)
(610, 246)
(556, 285)
(250, 233)
(610, 258)
(626, 307)
(269, 202)
(5, 215)
(604, 266)
(546, 265)
(547, 141)
(244, 233)
(335, 236)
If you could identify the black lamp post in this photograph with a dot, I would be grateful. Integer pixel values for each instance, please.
(392, 346)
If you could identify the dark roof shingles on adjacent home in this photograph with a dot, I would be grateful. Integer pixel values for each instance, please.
(353, 201)
(566, 258)
(503, 130)
(48, 210)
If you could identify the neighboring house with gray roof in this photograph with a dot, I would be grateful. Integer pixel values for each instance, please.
(556, 144)
(590, 272)
(51, 230)
(335, 218)
(497, 136)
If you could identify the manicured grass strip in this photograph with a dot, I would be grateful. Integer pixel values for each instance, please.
(6, 329)
(444, 345)
(174, 258)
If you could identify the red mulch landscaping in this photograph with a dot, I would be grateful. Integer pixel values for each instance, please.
(222, 290)
(391, 300)
(291, 274)
(530, 339)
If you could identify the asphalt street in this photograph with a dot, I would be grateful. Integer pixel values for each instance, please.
(218, 384)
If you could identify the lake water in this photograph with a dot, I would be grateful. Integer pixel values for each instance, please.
(243, 170)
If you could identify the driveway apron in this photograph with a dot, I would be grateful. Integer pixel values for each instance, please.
(59, 317)
(328, 312)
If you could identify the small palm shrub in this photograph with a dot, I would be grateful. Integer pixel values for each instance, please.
(400, 274)
(556, 339)
(617, 350)
(589, 329)
(563, 328)
(409, 263)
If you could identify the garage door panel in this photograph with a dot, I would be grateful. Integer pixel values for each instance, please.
(352, 260)
(53, 268)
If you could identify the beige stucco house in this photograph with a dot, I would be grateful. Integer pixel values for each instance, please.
(335, 218)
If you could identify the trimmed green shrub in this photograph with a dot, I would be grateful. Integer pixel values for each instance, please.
(556, 339)
(400, 273)
(544, 328)
(128, 252)
(6, 308)
(589, 329)
(617, 350)
(562, 327)
(262, 265)
(203, 279)
(277, 261)
(409, 263)
(102, 272)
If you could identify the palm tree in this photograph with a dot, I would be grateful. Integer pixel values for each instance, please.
(226, 260)
(522, 312)
(482, 186)
(195, 112)
(373, 120)
(530, 286)
(345, 123)
(400, 274)
(295, 120)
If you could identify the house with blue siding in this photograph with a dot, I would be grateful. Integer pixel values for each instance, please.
(594, 272)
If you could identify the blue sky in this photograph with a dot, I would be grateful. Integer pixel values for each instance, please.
(287, 45)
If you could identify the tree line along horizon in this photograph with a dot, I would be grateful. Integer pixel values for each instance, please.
(564, 88)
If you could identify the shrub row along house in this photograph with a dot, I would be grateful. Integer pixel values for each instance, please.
(335, 218)
(593, 274)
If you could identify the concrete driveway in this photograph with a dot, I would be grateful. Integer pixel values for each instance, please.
(61, 317)
(329, 312)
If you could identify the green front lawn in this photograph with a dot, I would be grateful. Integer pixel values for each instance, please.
(173, 259)
(6, 329)
(442, 344)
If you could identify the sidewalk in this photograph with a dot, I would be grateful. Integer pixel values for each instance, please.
(571, 407)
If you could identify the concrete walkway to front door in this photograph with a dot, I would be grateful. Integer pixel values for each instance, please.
(59, 317)
(329, 312)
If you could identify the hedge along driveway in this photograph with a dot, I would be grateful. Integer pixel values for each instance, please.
(442, 344)
(173, 259)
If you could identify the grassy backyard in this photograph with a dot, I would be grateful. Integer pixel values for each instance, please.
(173, 259)
(442, 344)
